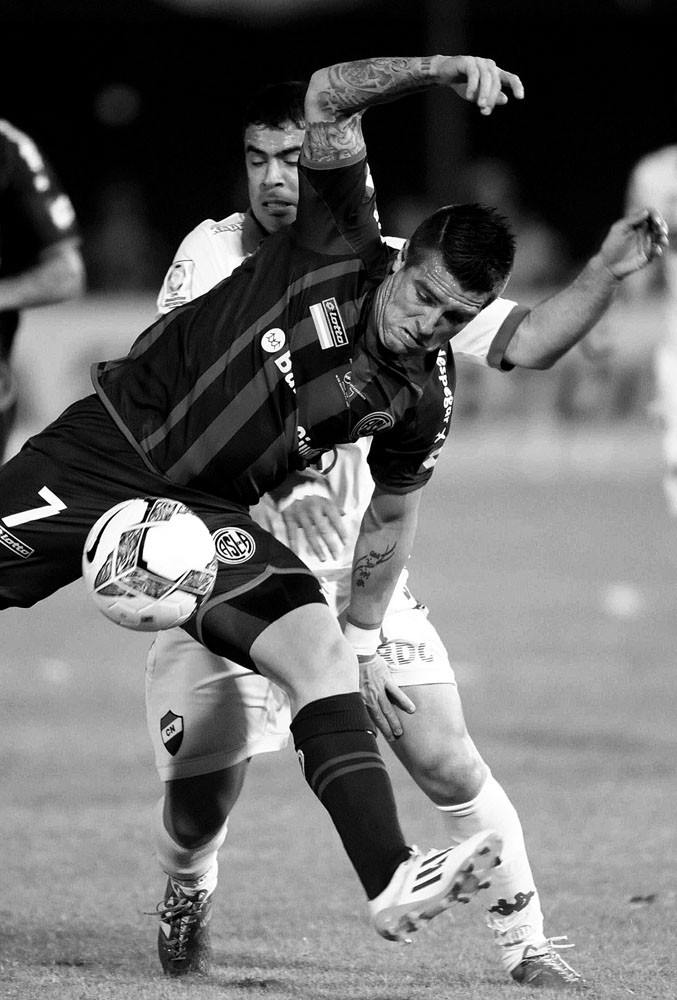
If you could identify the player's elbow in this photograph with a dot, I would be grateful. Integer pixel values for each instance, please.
(67, 276)
(316, 95)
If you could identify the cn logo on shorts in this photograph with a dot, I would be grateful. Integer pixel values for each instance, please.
(171, 731)
(233, 545)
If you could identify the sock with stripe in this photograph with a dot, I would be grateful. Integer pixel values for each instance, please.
(512, 903)
(342, 764)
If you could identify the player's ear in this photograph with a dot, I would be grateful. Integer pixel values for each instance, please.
(401, 257)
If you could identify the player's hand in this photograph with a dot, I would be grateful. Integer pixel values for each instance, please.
(317, 521)
(382, 696)
(480, 81)
(633, 242)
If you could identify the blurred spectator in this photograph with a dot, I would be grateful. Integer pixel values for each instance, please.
(124, 252)
(584, 384)
(40, 261)
(542, 257)
(653, 182)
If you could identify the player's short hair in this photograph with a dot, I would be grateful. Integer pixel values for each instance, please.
(277, 103)
(475, 242)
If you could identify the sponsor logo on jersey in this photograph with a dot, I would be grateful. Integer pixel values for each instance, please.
(273, 340)
(328, 324)
(306, 448)
(171, 731)
(283, 364)
(346, 386)
(233, 545)
(15, 544)
(232, 227)
(443, 376)
(372, 424)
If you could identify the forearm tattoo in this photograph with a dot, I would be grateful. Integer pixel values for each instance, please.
(352, 88)
(363, 567)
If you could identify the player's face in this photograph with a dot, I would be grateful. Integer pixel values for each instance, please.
(271, 158)
(421, 307)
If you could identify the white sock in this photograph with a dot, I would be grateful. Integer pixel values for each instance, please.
(513, 907)
(182, 863)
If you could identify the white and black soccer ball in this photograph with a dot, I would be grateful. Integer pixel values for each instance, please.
(149, 563)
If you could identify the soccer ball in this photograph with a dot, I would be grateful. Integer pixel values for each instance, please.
(149, 563)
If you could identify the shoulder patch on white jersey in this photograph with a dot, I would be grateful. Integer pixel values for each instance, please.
(177, 286)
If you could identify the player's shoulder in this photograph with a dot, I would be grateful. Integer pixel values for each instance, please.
(218, 228)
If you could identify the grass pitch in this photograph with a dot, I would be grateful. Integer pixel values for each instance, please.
(550, 567)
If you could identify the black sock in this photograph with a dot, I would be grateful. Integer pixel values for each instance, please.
(342, 764)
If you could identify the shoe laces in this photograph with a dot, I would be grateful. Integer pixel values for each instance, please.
(549, 957)
(180, 912)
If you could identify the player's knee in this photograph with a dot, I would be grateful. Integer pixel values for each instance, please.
(196, 809)
(451, 773)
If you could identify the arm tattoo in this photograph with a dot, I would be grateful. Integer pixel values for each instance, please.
(327, 141)
(363, 567)
(356, 86)
(352, 88)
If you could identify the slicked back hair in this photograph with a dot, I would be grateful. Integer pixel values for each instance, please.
(276, 104)
(474, 241)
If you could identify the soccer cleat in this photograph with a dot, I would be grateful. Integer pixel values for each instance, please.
(183, 936)
(425, 885)
(542, 965)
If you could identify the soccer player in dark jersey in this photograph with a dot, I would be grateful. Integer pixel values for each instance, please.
(40, 260)
(317, 339)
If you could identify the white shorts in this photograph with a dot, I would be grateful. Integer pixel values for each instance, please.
(206, 713)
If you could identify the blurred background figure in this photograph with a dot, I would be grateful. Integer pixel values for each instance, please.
(653, 181)
(40, 261)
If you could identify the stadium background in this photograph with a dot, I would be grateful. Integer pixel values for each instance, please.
(545, 551)
(138, 103)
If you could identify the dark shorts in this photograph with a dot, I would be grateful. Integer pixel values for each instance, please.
(64, 478)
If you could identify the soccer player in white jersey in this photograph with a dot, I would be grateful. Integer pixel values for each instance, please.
(208, 716)
(653, 181)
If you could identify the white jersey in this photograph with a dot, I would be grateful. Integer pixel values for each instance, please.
(207, 255)
(653, 184)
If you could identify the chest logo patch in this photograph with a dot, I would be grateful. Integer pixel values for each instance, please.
(328, 323)
(372, 424)
(233, 545)
(273, 340)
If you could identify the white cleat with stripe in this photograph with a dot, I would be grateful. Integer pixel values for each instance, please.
(428, 884)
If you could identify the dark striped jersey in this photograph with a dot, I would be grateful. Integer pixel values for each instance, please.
(281, 361)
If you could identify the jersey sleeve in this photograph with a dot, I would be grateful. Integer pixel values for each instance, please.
(193, 271)
(485, 339)
(337, 214)
(36, 209)
(402, 459)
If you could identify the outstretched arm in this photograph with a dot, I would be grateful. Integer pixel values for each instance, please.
(57, 275)
(553, 327)
(338, 95)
